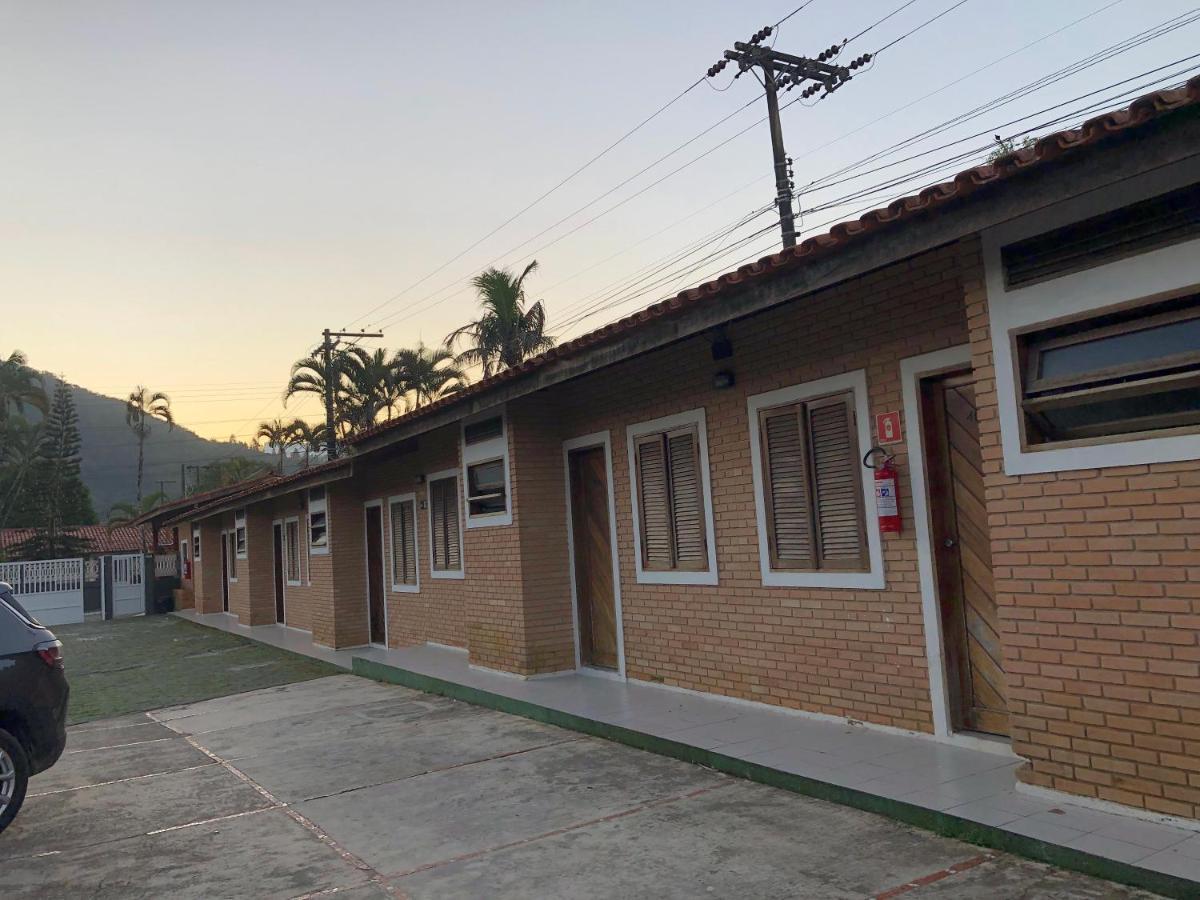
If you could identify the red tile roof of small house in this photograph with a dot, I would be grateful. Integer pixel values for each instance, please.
(123, 539)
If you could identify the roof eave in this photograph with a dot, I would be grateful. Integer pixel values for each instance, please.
(345, 469)
(770, 282)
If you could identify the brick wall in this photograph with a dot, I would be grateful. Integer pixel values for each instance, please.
(1098, 581)
(437, 612)
(856, 653)
(540, 488)
(207, 581)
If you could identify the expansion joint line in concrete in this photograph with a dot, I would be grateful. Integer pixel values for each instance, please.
(439, 770)
(299, 818)
(84, 787)
(567, 829)
(934, 877)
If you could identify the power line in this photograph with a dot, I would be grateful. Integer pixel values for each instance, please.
(900, 8)
(913, 31)
(891, 184)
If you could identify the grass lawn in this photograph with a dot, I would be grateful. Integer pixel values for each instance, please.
(147, 662)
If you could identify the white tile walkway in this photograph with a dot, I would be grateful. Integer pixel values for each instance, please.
(976, 785)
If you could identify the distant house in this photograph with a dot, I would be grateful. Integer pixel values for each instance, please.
(100, 540)
(685, 496)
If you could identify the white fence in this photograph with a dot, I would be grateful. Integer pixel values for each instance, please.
(166, 565)
(50, 589)
(129, 598)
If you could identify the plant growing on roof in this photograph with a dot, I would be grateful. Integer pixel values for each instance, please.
(140, 407)
(507, 333)
(429, 373)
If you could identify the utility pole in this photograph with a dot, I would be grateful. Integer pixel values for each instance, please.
(783, 71)
(329, 342)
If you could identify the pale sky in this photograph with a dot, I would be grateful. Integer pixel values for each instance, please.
(192, 191)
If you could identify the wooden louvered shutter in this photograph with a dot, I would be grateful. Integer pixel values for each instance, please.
(408, 518)
(789, 510)
(836, 482)
(404, 556)
(443, 512)
(687, 499)
(453, 550)
(654, 500)
(437, 526)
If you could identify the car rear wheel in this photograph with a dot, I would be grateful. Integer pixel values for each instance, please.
(14, 777)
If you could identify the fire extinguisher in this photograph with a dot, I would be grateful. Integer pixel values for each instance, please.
(887, 490)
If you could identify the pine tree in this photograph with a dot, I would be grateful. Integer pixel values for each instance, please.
(60, 498)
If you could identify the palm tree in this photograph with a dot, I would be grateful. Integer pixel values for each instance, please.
(429, 373)
(507, 333)
(277, 435)
(20, 386)
(310, 375)
(311, 438)
(122, 514)
(371, 387)
(19, 456)
(140, 407)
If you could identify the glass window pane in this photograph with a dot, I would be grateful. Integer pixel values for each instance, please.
(1133, 347)
(486, 478)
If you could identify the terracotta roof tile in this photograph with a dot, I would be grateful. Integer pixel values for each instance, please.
(123, 539)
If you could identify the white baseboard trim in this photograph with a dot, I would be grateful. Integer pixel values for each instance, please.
(1119, 809)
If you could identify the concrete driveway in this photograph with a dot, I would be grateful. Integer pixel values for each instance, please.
(348, 788)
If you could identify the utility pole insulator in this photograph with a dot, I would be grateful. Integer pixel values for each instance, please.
(784, 71)
(329, 342)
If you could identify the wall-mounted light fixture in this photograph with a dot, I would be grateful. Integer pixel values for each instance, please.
(723, 380)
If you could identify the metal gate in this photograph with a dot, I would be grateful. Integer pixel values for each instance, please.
(129, 595)
(50, 589)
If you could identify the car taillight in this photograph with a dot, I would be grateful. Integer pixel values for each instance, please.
(51, 653)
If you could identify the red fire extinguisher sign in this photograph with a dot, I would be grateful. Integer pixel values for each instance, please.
(887, 491)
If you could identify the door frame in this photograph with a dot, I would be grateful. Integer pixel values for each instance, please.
(225, 570)
(281, 572)
(912, 371)
(383, 575)
(588, 442)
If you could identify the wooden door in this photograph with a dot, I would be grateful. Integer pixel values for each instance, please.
(962, 556)
(375, 611)
(278, 569)
(224, 572)
(591, 534)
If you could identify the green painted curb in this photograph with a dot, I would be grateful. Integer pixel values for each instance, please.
(931, 820)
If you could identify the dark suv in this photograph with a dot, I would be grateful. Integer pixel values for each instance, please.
(33, 702)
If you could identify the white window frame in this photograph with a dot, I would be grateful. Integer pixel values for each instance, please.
(695, 418)
(229, 537)
(873, 579)
(322, 506)
(391, 525)
(461, 571)
(1079, 293)
(299, 574)
(239, 525)
(486, 451)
